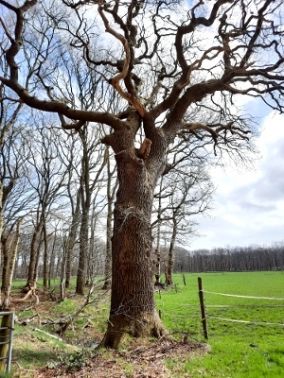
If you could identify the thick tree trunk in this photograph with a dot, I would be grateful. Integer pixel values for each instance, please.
(132, 299)
(10, 249)
(1, 222)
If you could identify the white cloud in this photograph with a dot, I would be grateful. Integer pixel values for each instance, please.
(249, 201)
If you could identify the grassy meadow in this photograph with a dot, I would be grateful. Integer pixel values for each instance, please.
(237, 349)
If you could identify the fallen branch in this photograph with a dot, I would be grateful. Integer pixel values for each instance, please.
(30, 293)
(49, 334)
(89, 300)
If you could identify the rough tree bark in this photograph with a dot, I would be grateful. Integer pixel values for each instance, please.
(132, 296)
(10, 244)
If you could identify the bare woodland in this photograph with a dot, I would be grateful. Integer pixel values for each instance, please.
(111, 113)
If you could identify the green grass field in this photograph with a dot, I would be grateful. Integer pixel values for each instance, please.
(238, 350)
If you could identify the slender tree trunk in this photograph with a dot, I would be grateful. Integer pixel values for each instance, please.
(169, 271)
(72, 240)
(45, 257)
(52, 261)
(34, 255)
(35, 276)
(158, 250)
(57, 267)
(92, 248)
(158, 268)
(85, 196)
(84, 243)
(107, 270)
(63, 272)
(110, 198)
(16, 268)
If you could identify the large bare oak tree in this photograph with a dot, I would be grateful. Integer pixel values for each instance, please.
(178, 67)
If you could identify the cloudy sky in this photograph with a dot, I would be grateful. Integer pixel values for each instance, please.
(248, 205)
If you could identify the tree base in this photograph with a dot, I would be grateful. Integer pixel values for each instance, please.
(106, 285)
(145, 326)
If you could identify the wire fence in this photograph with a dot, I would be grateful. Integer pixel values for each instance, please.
(186, 318)
(204, 315)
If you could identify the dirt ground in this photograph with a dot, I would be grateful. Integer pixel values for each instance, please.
(147, 361)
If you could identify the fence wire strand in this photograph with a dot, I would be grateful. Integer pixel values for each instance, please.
(245, 321)
(243, 296)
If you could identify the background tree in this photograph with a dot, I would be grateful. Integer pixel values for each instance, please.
(163, 80)
(111, 189)
(189, 197)
(69, 155)
(231, 259)
(47, 182)
(184, 191)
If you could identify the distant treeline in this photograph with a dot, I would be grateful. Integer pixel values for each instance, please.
(230, 260)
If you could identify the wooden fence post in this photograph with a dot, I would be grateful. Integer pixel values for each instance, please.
(6, 335)
(202, 308)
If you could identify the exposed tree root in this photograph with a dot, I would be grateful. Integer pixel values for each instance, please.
(31, 293)
(147, 325)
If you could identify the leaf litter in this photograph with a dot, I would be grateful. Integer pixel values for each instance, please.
(146, 361)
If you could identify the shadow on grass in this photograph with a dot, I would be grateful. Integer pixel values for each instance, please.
(35, 358)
